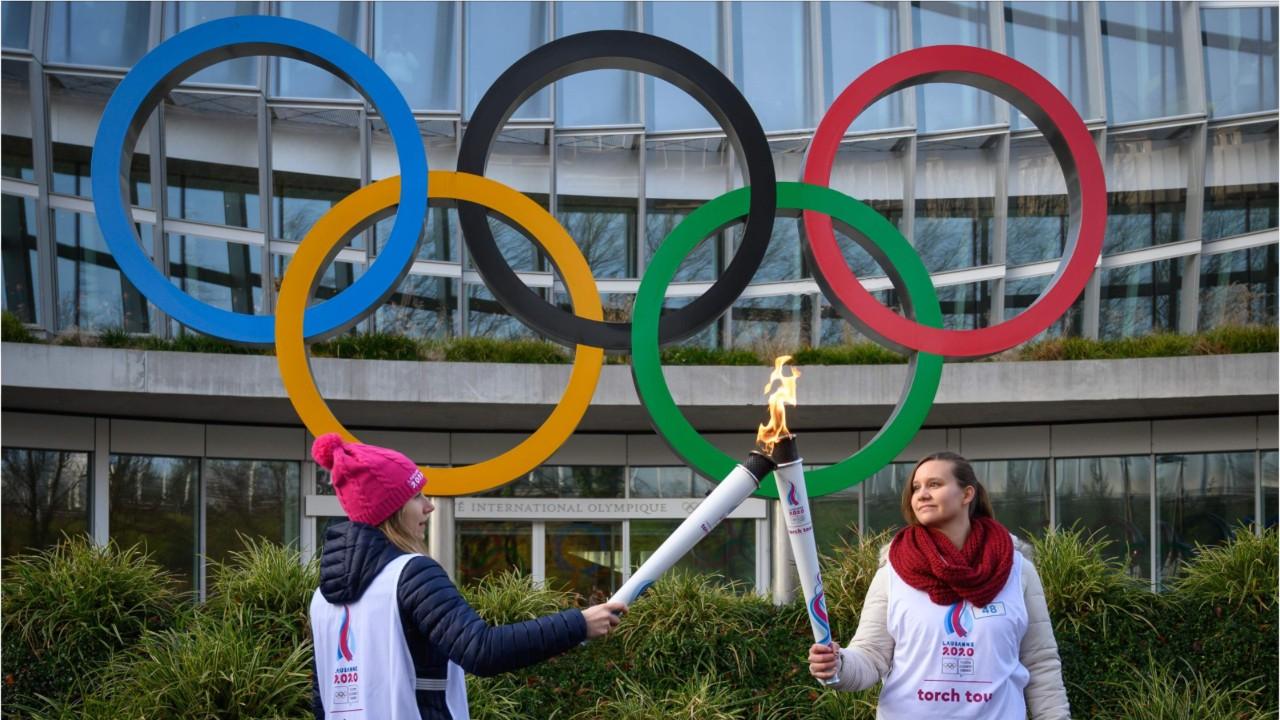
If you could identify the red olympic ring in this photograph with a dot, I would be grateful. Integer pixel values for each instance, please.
(1066, 133)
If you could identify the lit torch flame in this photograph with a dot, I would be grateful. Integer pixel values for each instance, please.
(784, 394)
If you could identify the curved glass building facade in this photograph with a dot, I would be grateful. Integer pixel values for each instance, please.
(241, 160)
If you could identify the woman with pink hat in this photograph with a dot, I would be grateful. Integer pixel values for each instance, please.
(392, 634)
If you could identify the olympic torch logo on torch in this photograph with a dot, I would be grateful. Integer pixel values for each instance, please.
(776, 441)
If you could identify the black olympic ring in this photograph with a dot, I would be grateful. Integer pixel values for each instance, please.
(651, 55)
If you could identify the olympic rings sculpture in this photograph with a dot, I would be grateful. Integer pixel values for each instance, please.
(919, 333)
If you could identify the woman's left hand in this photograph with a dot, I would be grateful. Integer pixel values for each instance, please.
(602, 618)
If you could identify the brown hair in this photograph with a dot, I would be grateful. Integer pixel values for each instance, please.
(980, 506)
(398, 537)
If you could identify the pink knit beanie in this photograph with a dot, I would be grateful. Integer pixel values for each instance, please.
(372, 483)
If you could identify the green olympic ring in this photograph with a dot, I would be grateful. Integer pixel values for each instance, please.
(878, 237)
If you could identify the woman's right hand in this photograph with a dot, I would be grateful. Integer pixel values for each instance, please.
(602, 618)
(823, 660)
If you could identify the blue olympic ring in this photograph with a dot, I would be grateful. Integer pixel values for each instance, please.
(176, 59)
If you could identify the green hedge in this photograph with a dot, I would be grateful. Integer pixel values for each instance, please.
(691, 648)
(385, 346)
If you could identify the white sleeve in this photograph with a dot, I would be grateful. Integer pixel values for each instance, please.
(866, 661)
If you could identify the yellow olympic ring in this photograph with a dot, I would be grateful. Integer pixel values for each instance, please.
(368, 203)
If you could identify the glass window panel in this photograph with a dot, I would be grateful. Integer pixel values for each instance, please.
(1049, 37)
(770, 51)
(708, 337)
(75, 107)
(1239, 288)
(111, 34)
(681, 175)
(487, 547)
(1146, 189)
(773, 325)
(1242, 181)
(213, 193)
(1140, 299)
(602, 481)
(835, 519)
(154, 501)
(1110, 496)
(584, 558)
(836, 330)
(661, 218)
(416, 44)
(423, 307)
(856, 36)
(1019, 294)
(944, 106)
(16, 160)
(223, 274)
(438, 134)
(1203, 499)
(784, 258)
(1239, 59)
(664, 482)
(871, 171)
(728, 552)
(93, 295)
(955, 185)
(965, 307)
(1270, 488)
(498, 34)
(598, 183)
(16, 23)
(294, 78)
(256, 499)
(21, 263)
(298, 201)
(179, 16)
(486, 317)
(1142, 51)
(1038, 215)
(1019, 492)
(696, 26)
(46, 494)
(882, 495)
(521, 158)
(337, 277)
(597, 97)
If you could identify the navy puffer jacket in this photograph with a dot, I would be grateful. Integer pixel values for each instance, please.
(439, 625)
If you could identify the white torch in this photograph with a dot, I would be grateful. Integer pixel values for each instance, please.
(729, 494)
(780, 444)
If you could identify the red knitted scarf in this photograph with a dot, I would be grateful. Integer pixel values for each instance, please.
(929, 562)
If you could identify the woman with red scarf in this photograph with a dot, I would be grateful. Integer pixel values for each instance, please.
(955, 622)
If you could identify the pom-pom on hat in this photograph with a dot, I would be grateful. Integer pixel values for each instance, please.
(371, 482)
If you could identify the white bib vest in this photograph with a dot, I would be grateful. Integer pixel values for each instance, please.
(363, 665)
(956, 661)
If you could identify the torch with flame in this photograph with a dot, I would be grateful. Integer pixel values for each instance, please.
(776, 441)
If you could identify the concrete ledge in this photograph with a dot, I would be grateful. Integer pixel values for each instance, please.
(501, 397)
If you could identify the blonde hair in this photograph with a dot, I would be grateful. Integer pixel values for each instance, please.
(395, 533)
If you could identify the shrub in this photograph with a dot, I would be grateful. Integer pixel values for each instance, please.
(809, 700)
(483, 349)
(67, 610)
(692, 355)
(1153, 692)
(497, 698)
(695, 623)
(859, 353)
(218, 669)
(368, 346)
(846, 575)
(271, 582)
(12, 329)
(1239, 576)
(697, 699)
(1085, 591)
(509, 597)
